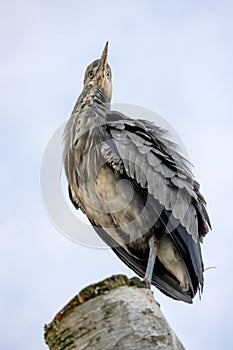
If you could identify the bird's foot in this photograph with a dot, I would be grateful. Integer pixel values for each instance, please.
(147, 283)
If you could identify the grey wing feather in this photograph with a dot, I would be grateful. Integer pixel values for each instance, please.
(153, 161)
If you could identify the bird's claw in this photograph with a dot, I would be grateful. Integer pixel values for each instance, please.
(147, 283)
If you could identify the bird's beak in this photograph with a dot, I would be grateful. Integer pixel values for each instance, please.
(101, 80)
(103, 62)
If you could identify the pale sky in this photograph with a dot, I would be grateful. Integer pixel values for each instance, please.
(173, 57)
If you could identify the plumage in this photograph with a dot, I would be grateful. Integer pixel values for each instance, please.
(133, 184)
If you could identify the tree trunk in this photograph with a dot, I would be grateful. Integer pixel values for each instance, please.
(117, 313)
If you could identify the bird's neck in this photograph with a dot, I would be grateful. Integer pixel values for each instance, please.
(87, 122)
(91, 97)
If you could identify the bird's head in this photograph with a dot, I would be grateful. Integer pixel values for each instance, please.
(98, 76)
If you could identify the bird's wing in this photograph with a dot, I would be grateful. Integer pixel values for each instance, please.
(156, 168)
(153, 161)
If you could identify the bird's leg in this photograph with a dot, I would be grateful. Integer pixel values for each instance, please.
(153, 245)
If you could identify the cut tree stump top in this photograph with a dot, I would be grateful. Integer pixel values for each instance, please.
(117, 313)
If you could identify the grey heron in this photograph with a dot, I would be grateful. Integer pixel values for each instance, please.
(136, 189)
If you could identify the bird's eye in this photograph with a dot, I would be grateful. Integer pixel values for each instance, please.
(108, 74)
(91, 74)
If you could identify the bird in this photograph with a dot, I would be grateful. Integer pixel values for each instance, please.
(136, 189)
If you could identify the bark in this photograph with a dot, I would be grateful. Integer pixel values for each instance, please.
(117, 313)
